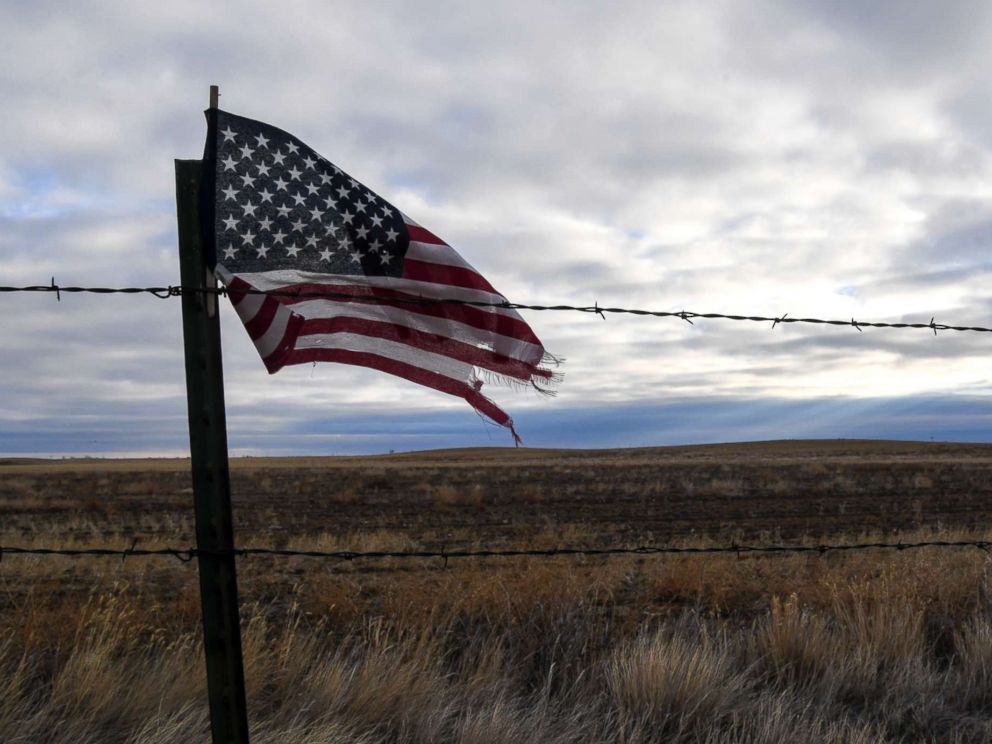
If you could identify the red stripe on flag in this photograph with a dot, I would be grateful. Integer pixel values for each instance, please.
(420, 235)
(408, 372)
(263, 318)
(431, 342)
(494, 322)
(278, 358)
(452, 276)
(236, 289)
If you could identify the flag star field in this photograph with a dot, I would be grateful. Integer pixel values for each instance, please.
(282, 206)
(322, 269)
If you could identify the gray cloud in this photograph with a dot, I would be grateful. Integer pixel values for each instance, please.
(911, 38)
(817, 158)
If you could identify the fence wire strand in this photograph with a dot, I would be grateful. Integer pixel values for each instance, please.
(167, 292)
(188, 554)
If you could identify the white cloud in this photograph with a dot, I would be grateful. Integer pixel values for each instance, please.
(816, 158)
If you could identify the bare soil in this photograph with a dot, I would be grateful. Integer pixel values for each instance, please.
(453, 497)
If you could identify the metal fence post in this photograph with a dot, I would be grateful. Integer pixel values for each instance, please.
(211, 479)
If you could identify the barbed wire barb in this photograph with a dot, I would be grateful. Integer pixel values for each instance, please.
(186, 555)
(170, 291)
(129, 551)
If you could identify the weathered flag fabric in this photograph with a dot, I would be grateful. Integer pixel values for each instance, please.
(280, 218)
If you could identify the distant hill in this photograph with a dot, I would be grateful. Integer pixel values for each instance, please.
(785, 450)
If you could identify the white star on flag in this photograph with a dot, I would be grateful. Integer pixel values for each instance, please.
(384, 285)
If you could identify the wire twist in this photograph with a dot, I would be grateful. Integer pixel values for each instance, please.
(170, 291)
(186, 555)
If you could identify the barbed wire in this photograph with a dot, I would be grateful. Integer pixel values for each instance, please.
(167, 292)
(188, 554)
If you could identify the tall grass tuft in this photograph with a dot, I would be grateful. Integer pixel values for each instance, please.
(857, 669)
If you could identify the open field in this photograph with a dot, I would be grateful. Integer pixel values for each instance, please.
(859, 647)
(499, 495)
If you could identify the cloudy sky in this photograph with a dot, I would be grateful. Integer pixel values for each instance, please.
(823, 158)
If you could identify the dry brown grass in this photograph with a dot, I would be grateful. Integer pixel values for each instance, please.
(863, 647)
(855, 647)
(858, 669)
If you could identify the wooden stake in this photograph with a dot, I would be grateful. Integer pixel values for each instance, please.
(209, 459)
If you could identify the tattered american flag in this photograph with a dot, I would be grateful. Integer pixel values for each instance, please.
(282, 218)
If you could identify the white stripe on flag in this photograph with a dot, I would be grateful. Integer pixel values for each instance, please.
(415, 357)
(269, 341)
(444, 255)
(270, 280)
(249, 305)
(505, 345)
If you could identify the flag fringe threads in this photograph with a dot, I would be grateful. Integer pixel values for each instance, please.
(552, 379)
(542, 380)
(281, 219)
